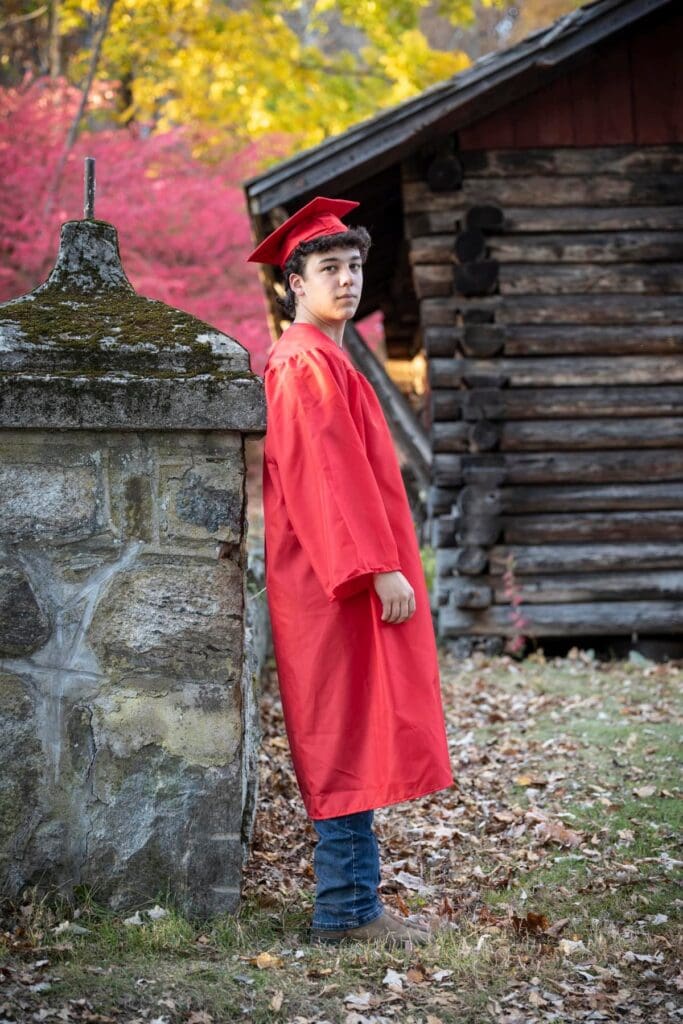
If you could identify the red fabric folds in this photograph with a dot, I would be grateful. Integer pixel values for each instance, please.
(361, 697)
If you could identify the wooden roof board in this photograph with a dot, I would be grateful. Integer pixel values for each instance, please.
(491, 82)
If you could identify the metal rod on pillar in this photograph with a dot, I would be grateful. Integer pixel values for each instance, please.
(89, 190)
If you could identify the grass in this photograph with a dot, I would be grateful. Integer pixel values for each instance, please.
(585, 740)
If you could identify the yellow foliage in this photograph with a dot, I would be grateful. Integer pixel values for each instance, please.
(267, 68)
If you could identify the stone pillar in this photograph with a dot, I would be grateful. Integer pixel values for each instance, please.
(127, 723)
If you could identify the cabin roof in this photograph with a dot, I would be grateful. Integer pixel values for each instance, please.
(491, 82)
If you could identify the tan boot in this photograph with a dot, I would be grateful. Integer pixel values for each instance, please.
(387, 928)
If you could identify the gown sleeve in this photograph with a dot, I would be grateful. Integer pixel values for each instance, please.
(329, 489)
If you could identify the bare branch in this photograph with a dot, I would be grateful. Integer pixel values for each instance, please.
(18, 19)
(85, 93)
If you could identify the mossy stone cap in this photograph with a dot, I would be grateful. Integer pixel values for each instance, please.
(87, 322)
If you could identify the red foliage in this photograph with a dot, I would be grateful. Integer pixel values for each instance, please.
(182, 223)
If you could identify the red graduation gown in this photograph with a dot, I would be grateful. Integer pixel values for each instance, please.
(361, 697)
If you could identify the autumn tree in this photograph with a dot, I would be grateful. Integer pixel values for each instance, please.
(307, 67)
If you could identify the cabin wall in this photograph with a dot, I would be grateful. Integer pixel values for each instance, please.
(630, 91)
(550, 285)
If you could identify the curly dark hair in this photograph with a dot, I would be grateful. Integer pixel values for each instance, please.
(356, 237)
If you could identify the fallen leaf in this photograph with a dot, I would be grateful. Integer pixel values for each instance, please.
(393, 980)
(556, 927)
(554, 832)
(402, 905)
(532, 924)
(134, 919)
(412, 882)
(415, 975)
(277, 1000)
(265, 961)
(199, 1017)
(157, 912)
(531, 779)
(440, 975)
(505, 816)
(359, 1000)
(568, 947)
(644, 792)
(643, 958)
(76, 929)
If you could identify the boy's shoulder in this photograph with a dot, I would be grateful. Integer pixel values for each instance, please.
(309, 343)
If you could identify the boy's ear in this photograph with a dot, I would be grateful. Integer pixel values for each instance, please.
(296, 283)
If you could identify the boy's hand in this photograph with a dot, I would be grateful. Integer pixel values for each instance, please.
(396, 594)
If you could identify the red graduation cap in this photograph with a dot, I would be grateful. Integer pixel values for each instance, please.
(319, 217)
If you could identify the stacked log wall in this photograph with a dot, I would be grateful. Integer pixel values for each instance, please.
(550, 284)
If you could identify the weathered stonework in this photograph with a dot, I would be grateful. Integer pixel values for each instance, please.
(129, 650)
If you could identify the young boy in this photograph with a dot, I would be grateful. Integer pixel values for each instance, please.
(352, 630)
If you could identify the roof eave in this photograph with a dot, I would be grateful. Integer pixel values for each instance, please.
(493, 81)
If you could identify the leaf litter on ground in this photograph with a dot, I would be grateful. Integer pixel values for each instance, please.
(547, 868)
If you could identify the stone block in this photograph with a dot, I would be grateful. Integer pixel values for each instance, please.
(74, 564)
(183, 837)
(24, 626)
(199, 723)
(21, 774)
(182, 618)
(45, 501)
(202, 501)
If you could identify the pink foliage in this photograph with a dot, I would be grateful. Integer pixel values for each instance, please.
(182, 223)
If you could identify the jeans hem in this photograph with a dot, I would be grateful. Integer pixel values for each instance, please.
(356, 923)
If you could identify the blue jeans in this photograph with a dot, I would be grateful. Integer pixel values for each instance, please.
(346, 866)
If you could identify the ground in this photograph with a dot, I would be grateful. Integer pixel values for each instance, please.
(550, 870)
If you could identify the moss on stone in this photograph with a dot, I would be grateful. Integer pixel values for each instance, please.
(73, 320)
(109, 375)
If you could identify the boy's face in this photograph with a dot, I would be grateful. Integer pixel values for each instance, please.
(330, 287)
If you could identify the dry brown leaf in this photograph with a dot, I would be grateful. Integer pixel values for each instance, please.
(415, 975)
(505, 816)
(531, 779)
(555, 832)
(277, 1000)
(557, 926)
(402, 905)
(279, 742)
(532, 924)
(446, 909)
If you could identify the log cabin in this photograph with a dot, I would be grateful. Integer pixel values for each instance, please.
(527, 222)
